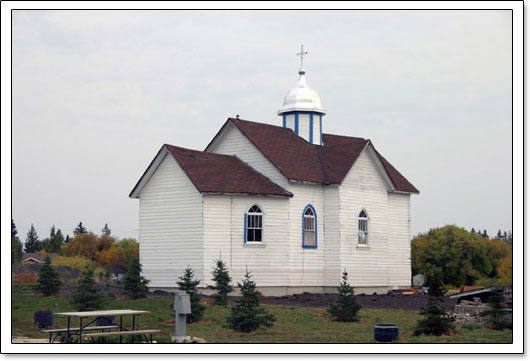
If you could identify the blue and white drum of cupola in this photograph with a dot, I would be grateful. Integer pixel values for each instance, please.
(307, 125)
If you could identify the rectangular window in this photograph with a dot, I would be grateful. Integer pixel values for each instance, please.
(363, 231)
(254, 227)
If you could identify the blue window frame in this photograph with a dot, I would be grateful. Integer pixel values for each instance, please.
(309, 227)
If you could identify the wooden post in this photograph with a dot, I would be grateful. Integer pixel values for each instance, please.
(80, 329)
(121, 326)
(68, 331)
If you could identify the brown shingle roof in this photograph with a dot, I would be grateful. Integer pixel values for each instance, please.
(296, 159)
(219, 173)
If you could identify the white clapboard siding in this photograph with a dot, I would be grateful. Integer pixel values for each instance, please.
(233, 142)
(224, 237)
(306, 264)
(399, 239)
(332, 267)
(170, 225)
(303, 126)
(364, 188)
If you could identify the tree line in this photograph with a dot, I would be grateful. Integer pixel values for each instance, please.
(463, 257)
(83, 248)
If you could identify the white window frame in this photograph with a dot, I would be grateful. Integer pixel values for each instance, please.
(363, 232)
(254, 221)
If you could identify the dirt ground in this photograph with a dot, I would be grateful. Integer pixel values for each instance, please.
(384, 301)
(21, 339)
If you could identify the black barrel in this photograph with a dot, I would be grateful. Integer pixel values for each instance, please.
(105, 320)
(386, 332)
(43, 318)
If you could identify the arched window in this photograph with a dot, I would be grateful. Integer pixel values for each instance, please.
(363, 228)
(254, 225)
(309, 227)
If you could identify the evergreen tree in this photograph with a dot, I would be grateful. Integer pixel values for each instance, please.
(105, 231)
(80, 229)
(222, 280)
(188, 284)
(496, 313)
(16, 245)
(53, 243)
(499, 234)
(88, 295)
(473, 230)
(347, 306)
(246, 314)
(485, 234)
(505, 236)
(133, 282)
(67, 239)
(49, 282)
(436, 321)
(33, 244)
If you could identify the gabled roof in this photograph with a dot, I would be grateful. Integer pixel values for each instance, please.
(38, 257)
(295, 158)
(215, 173)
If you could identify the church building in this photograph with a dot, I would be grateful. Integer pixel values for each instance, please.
(294, 205)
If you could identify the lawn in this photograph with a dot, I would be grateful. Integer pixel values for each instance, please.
(293, 324)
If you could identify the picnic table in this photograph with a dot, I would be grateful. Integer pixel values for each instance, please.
(91, 316)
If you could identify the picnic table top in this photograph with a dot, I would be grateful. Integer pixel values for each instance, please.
(101, 313)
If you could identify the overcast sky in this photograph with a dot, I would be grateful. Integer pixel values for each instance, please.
(97, 93)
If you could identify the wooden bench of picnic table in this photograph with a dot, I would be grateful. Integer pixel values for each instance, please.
(76, 329)
(125, 333)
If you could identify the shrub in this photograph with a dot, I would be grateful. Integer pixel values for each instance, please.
(133, 282)
(246, 314)
(49, 282)
(188, 284)
(24, 278)
(222, 280)
(78, 262)
(347, 306)
(88, 295)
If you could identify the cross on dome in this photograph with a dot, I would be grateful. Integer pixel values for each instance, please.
(301, 54)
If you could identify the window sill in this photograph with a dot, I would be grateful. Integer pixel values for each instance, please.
(363, 246)
(254, 244)
(304, 246)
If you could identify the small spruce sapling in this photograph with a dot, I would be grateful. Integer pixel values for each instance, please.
(347, 306)
(222, 280)
(436, 321)
(88, 295)
(246, 314)
(49, 282)
(133, 282)
(188, 284)
(496, 314)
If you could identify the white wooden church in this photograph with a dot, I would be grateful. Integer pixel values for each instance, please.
(293, 204)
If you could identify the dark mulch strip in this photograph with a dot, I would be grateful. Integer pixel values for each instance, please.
(384, 301)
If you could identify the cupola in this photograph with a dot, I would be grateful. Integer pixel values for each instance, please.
(302, 110)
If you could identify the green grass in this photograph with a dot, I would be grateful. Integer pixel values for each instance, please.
(293, 324)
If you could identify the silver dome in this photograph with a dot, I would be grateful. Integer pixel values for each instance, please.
(302, 98)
